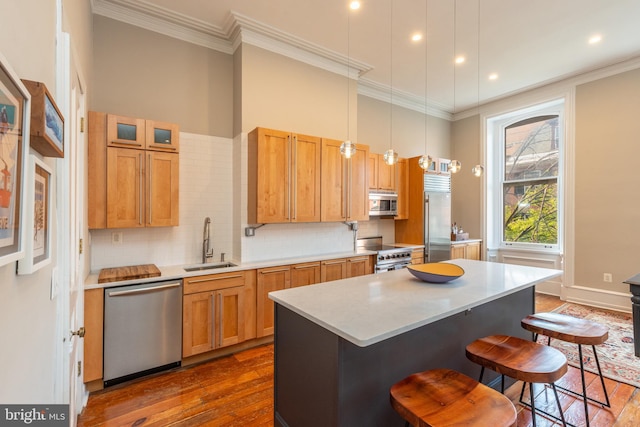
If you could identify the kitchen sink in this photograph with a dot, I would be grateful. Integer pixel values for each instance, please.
(212, 266)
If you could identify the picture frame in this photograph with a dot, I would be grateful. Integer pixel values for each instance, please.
(15, 102)
(38, 220)
(47, 123)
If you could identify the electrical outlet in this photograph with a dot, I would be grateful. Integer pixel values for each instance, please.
(116, 238)
(607, 277)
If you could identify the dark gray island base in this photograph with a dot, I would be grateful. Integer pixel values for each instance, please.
(322, 379)
(634, 286)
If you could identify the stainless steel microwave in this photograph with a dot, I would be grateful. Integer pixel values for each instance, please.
(383, 204)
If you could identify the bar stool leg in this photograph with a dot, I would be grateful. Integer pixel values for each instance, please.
(606, 395)
(533, 404)
(584, 387)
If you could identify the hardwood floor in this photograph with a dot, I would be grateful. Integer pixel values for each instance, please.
(238, 391)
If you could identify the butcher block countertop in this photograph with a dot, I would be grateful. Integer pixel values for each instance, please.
(131, 272)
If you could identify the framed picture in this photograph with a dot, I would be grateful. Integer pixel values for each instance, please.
(14, 119)
(47, 123)
(38, 220)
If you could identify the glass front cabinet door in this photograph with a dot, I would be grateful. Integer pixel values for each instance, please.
(129, 132)
(161, 136)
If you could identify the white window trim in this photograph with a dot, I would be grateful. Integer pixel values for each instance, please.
(494, 159)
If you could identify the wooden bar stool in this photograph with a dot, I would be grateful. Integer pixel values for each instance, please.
(574, 330)
(443, 397)
(523, 360)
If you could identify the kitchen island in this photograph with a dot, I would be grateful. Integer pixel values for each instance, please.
(339, 346)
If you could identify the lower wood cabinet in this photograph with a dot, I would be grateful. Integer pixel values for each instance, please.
(333, 269)
(342, 268)
(268, 280)
(93, 338)
(467, 250)
(304, 274)
(213, 311)
(417, 256)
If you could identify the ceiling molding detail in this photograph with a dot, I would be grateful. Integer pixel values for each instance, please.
(239, 29)
(160, 20)
(382, 93)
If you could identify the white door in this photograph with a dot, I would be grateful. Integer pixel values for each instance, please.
(70, 199)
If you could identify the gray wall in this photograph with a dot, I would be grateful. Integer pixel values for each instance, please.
(144, 74)
(607, 187)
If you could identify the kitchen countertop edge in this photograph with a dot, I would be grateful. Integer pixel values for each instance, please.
(177, 272)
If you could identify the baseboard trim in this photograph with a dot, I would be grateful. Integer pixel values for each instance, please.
(609, 300)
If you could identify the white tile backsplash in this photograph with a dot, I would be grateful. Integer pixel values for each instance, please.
(213, 183)
(206, 189)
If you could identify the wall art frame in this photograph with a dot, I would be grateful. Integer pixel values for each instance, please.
(15, 103)
(38, 220)
(47, 123)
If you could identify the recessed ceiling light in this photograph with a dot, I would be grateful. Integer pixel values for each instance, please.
(354, 5)
(416, 37)
(597, 38)
(493, 76)
(460, 59)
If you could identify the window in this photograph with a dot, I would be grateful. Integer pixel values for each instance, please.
(524, 150)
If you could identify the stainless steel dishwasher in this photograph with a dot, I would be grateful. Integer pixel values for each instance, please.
(142, 330)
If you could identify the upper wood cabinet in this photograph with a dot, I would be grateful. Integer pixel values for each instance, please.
(381, 175)
(345, 189)
(140, 133)
(402, 184)
(284, 177)
(129, 187)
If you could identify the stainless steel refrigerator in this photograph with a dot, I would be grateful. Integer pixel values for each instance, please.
(437, 217)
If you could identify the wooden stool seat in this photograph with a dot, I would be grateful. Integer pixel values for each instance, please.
(443, 397)
(566, 328)
(577, 331)
(518, 358)
(521, 359)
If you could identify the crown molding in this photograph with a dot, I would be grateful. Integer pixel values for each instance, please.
(160, 20)
(237, 29)
(247, 30)
(403, 99)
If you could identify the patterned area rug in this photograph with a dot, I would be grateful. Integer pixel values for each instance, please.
(616, 355)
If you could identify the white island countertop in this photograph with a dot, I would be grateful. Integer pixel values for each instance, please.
(368, 309)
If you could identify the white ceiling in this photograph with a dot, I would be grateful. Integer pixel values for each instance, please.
(528, 43)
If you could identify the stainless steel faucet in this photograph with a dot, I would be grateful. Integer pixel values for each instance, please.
(207, 252)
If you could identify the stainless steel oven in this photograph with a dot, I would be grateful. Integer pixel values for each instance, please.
(388, 257)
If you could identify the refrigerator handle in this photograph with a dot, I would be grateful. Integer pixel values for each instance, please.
(427, 249)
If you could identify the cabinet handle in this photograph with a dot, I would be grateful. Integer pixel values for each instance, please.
(275, 271)
(123, 142)
(288, 186)
(292, 173)
(211, 279)
(150, 204)
(344, 190)
(213, 320)
(333, 262)
(140, 189)
(349, 195)
(220, 318)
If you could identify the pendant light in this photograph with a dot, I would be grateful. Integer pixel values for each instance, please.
(348, 148)
(478, 170)
(454, 165)
(390, 156)
(425, 160)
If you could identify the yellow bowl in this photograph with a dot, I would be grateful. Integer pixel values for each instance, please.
(436, 272)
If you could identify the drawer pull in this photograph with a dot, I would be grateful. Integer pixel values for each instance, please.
(210, 279)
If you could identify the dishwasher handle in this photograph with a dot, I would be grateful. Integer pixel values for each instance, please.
(143, 290)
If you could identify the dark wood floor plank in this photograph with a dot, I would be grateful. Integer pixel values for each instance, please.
(237, 390)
